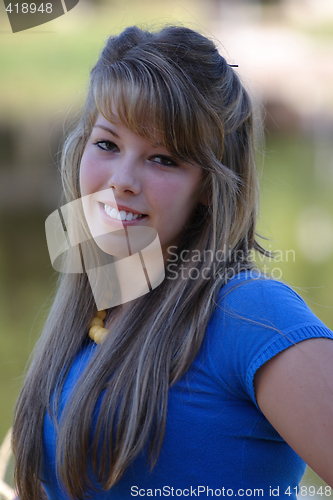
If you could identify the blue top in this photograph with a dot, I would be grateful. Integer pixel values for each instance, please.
(217, 441)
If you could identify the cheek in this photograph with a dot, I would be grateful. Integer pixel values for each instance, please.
(174, 196)
(90, 176)
(165, 194)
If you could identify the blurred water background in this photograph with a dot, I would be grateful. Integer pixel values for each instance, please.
(284, 50)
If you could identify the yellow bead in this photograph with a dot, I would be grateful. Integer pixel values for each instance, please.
(103, 336)
(100, 335)
(93, 330)
(101, 314)
(97, 321)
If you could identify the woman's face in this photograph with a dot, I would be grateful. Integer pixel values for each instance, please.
(145, 180)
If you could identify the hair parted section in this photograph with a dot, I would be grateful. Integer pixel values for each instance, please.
(172, 86)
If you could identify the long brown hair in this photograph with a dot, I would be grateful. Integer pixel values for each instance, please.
(173, 83)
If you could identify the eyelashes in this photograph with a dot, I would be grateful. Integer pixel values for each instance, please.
(166, 161)
(110, 146)
(163, 160)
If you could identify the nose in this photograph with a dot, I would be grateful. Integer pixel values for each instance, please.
(125, 175)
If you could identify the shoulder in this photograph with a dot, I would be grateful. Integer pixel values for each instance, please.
(256, 318)
(252, 285)
(252, 296)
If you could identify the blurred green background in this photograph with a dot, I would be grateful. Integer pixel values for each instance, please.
(284, 51)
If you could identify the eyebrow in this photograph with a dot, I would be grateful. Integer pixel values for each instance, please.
(155, 145)
(108, 130)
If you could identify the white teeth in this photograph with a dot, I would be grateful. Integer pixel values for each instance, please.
(122, 215)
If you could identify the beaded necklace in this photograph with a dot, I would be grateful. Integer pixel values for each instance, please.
(97, 331)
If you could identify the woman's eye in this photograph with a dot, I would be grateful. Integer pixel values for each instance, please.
(165, 161)
(106, 145)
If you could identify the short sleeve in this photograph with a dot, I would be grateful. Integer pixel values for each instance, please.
(255, 319)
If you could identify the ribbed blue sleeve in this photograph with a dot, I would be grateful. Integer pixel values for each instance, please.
(256, 318)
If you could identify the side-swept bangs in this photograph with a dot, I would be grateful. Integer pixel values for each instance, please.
(154, 101)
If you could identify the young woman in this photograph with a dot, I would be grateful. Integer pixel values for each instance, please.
(218, 381)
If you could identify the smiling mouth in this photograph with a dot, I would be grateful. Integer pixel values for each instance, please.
(113, 213)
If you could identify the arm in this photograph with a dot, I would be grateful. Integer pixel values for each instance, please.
(294, 390)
